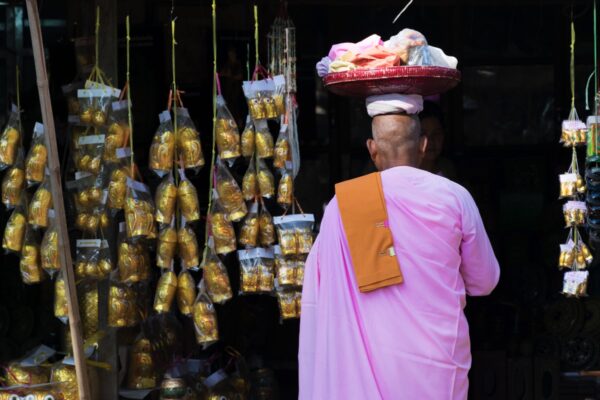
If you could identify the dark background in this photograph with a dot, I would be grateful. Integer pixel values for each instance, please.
(502, 129)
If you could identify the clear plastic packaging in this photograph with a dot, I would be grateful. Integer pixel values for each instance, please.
(285, 269)
(285, 190)
(282, 153)
(299, 272)
(93, 259)
(205, 319)
(188, 141)
(188, 247)
(215, 277)
(221, 228)
(133, 262)
(230, 194)
(89, 152)
(227, 134)
(256, 270)
(122, 306)
(295, 233)
(249, 183)
(186, 293)
(249, 230)
(568, 184)
(13, 182)
(162, 149)
(118, 131)
(288, 304)
(266, 228)
(14, 232)
(248, 139)
(279, 94)
(263, 140)
(266, 181)
(575, 283)
(95, 104)
(166, 288)
(29, 265)
(37, 157)
(166, 200)
(575, 213)
(573, 130)
(40, 205)
(10, 139)
(187, 198)
(117, 182)
(139, 211)
(166, 247)
(61, 307)
(49, 249)
(260, 97)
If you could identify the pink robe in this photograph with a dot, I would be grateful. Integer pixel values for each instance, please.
(408, 341)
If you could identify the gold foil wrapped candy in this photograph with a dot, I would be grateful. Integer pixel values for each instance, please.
(13, 184)
(287, 241)
(133, 263)
(90, 163)
(122, 307)
(139, 217)
(61, 308)
(279, 100)
(256, 108)
(568, 185)
(117, 187)
(287, 304)
(205, 321)
(187, 196)
(30, 264)
(248, 139)
(304, 238)
(9, 143)
(580, 185)
(116, 138)
(282, 152)
(249, 183)
(66, 375)
(266, 181)
(266, 279)
(286, 272)
(35, 164)
(223, 233)
(166, 198)
(17, 375)
(14, 232)
(186, 293)
(189, 147)
(285, 191)
(270, 107)
(249, 278)
(49, 251)
(249, 231)
(230, 196)
(165, 292)
(85, 117)
(299, 272)
(264, 143)
(216, 279)
(266, 228)
(99, 117)
(141, 373)
(227, 138)
(39, 206)
(188, 247)
(167, 246)
(162, 150)
(587, 255)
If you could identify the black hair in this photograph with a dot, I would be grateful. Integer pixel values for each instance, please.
(431, 109)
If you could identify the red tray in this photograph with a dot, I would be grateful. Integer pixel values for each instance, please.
(425, 81)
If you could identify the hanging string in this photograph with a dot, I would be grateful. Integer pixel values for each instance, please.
(97, 75)
(256, 34)
(247, 61)
(572, 62)
(596, 61)
(128, 88)
(402, 12)
(173, 97)
(18, 88)
(216, 86)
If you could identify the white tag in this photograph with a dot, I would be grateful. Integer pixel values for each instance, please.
(182, 174)
(87, 352)
(81, 174)
(183, 112)
(253, 208)
(104, 196)
(38, 129)
(14, 108)
(215, 194)
(93, 243)
(283, 128)
(84, 93)
(293, 218)
(104, 244)
(138, 186)
(38, 356)
(73, 119)
(119, 105)
(210, 242)
(164, 116)
(277, 250)
(123, 152)
(51, 213)
(215, 378)
(121, 226)
(91, 139)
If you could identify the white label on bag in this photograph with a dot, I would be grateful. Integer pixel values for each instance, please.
(294, 218)
(81, 174)
(38, 129)
(119, 105)
(183, 112)
(164, 116)
(51, 213)
(84, 93)
(135, 185)
(283, 128)
(215, 378)
(14, 108)
(91, 139)
(121, 226)
(182, 174)
(123, 152)
(94, 243)
(73, 119)
(38, 356)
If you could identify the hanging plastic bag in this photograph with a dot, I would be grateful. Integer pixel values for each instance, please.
(40, 205)
(13, 182)
(266, 272)
(279, 94)
(266, 228)
(117, 180)
(253, 91)
(92, 259)
(188, 141)
(221, 228)
(299, 272)
(31, 271)
(230, 193)
(284, 268)
(282, 149)
(37, 157)
(142, 369)
(133, 261)
(575, 213)
(227, 134)
(49, 249)
(266, 181)
(264, 140)
(122, 306)
(250, 227)
(575, 283)
(248, 139)
(215, 277)
(574, 130)
(187, 198)
(94, 104)
(90, 202)
(139, 211)
(118, 131)
(205, 319)
(10, 139)
(288, 305)
(88, 156)
(162, 149)
(166, 288)
(256, 270)
(285, 190)
(166, 247)
(188, 247)
(61, 307)
(166, 199)
(295, 233)
(567, 255)
(186, 293)
(249, 183)
(14, 232)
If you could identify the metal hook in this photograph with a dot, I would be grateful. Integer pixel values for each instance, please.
(402, 12)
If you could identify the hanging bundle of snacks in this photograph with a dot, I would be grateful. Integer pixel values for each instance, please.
(14, 232)
(10, 139)
(166, 198)
(263, 140)
(574, 130)
(49, 249)
(186, 293)
(162, 149)
(575, 213)
(221, 227)
(187, 199)
(13, 182)
(249, 230)
(188, 247)
(118, 131)
(117, 180)
(256, 270)
(139, 211)
(95, 103)
(189, 148)
(89, 152)
(215, 276)
(260, 95)
(226, 131)
(133, 261)
(93, 259)
(295, 233)
(37, 157)
(122, 306)
(31, 271)
(40, 205)
(229, 193)
(205, 319)
(166, 246)
(90, 203)
(248, 139)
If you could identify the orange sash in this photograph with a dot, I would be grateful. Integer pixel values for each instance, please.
(364, 216)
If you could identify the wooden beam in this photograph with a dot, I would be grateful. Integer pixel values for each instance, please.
(64, 249)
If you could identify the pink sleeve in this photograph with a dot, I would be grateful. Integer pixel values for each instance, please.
(308, 323)
(479, 267)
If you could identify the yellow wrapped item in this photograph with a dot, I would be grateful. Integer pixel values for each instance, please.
(39, 206)
(229, 193)
(205, 320)
(122, 306)
(14, 232)
(187, 198)
(188, 247)
(186, 293)
(31, 271)
(13, 184)
(166, 289)
(216, 278)
(285, 191)
(189, 147)
(250, 227)
(266, 181)
(118, 131)
(249, 183)
(162, 149)
(166, 199)
(141, 372)
(222, 229)
(117, 186)
(133, 262)
(37, 157)
(256, 270)
(282, 152)
(266, 228)
(61, 308)
(49, 250)
(263, 140)
(66, 375)
(248, 139)
(16, 375)
(226, 130)
(166, 247)
(139, 211)
(10, 139)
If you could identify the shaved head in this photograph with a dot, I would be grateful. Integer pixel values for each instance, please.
(396, 141)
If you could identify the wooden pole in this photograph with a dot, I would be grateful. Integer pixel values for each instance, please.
(64, 248)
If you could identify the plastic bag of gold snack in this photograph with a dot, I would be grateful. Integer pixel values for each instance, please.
(117, 134)
(92, 259)
(49, 249)
(13, 182)
(266, 231)
(89, 152)
(575, 283)
(141, 370)
(122, 306)
(573, 130)
(10, 139)
(37, 157)
(226, 131)
(288, 304)
(14, 232)
(187, 198)
(65, 374)
(221, 228)
(266, 274)
(266, 181)
(569, 184)
(166, 289)
(260, 98)
(188, 247)
(593, 141)
(256, 270)
(215, 276)
(18, 375)
(248, 236)
(139, 211)
(285, 190)
(282, 153)
(249, 182)
(189, 148)
(575, 213)
(299, 271)
(263, 140)
(186, 293)
(40, 205)
(229, 193)
(205, 319)
(133, 261)
(95, 105)
(162, 149)
(166, 200)
(295, 233)
(29, 265)
(117, 174)
(279, 94)
(61, 307)
(70, 93)
(166, 246)
(248, 139)
(285, 269)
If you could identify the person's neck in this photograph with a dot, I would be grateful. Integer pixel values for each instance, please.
(429, 165)
(400, 163)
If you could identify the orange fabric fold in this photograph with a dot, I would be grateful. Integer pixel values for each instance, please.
(365, 220)
(374, 57)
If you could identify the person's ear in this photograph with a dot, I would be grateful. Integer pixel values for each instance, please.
(423, 142)
(372, 147)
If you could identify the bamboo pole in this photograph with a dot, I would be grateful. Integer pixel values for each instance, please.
(64, 252)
